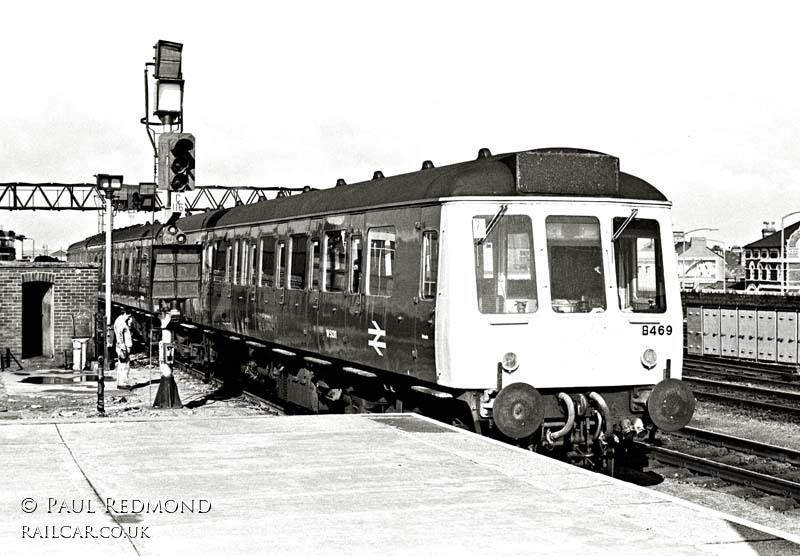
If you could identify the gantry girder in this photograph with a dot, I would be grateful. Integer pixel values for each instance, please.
(86, 196)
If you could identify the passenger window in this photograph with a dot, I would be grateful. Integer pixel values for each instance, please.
(245, 259)
(268, 262)
(218, 261)
(253, 263)
(576, 264)
(280, 281)
(504, 266)
(298, 261)
(430, 264)
(355, 264)
(315, 262)
(335, 261)
(380, 266)
(145, 265)
(228, 262)
(236, 267)
(640, 272)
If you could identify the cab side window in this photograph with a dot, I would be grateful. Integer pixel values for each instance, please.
(640, 272)
(504, 265)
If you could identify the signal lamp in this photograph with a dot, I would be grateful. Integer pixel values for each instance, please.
(172, 229)
(180, 238)
(107, 182)
(176, 156)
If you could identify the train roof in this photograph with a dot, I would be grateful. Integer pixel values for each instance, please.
(135, 232)
(549, 172)
(568, 172)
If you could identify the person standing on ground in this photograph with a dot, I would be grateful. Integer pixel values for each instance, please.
(124, 343)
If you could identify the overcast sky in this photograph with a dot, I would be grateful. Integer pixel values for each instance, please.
(700, 99)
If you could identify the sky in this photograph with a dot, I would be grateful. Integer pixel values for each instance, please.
(698, 98)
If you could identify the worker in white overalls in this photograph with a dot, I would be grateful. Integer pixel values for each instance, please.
(124, 343)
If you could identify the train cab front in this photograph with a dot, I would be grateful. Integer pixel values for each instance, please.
(567, 314)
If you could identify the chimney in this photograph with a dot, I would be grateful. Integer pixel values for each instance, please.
(767, 229)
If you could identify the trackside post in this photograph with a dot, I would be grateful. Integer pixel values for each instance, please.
(167, 395)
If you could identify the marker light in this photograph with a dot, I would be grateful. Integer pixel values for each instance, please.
(510, 363)
(649, 358)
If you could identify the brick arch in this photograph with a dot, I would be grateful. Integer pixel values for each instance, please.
(38, 276)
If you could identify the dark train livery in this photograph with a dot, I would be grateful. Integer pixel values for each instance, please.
(534, 293)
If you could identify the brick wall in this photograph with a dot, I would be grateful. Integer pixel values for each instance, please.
(74, 302)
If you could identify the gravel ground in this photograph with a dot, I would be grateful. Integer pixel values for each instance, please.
(26, 400)
(770, 511)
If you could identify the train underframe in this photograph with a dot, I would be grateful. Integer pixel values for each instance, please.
(594, 429)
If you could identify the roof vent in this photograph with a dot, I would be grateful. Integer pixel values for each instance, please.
(378, 175)
(306, 188)
(340, 182)
(484, 153)
(427, 165)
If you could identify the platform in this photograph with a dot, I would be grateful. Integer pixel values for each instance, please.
(345, 484)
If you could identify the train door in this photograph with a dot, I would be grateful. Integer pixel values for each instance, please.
(694, 331)
(249, 279)
(355, 324)
(391, 283)
(296, 297)
(578, 281)
(266, 312)
(787, 337)
(238, 289)
(425, 300)
(729, 333)
(747, 333)
(711, 329)
(314, 284)
(281, 267)
(332, 301)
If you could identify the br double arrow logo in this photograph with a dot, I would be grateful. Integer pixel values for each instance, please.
(375, 342)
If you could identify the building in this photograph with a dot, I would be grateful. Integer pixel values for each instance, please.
(44, 306)
(8, 251)
(762, 259)
(699, 266)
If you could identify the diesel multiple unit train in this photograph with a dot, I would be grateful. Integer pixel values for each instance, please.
(530, 295)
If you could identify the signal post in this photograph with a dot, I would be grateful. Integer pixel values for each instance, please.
(175, 169)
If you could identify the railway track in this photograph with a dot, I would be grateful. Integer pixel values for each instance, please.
(736, 474)
(270, 404)
(781, 374)
(746, 395)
